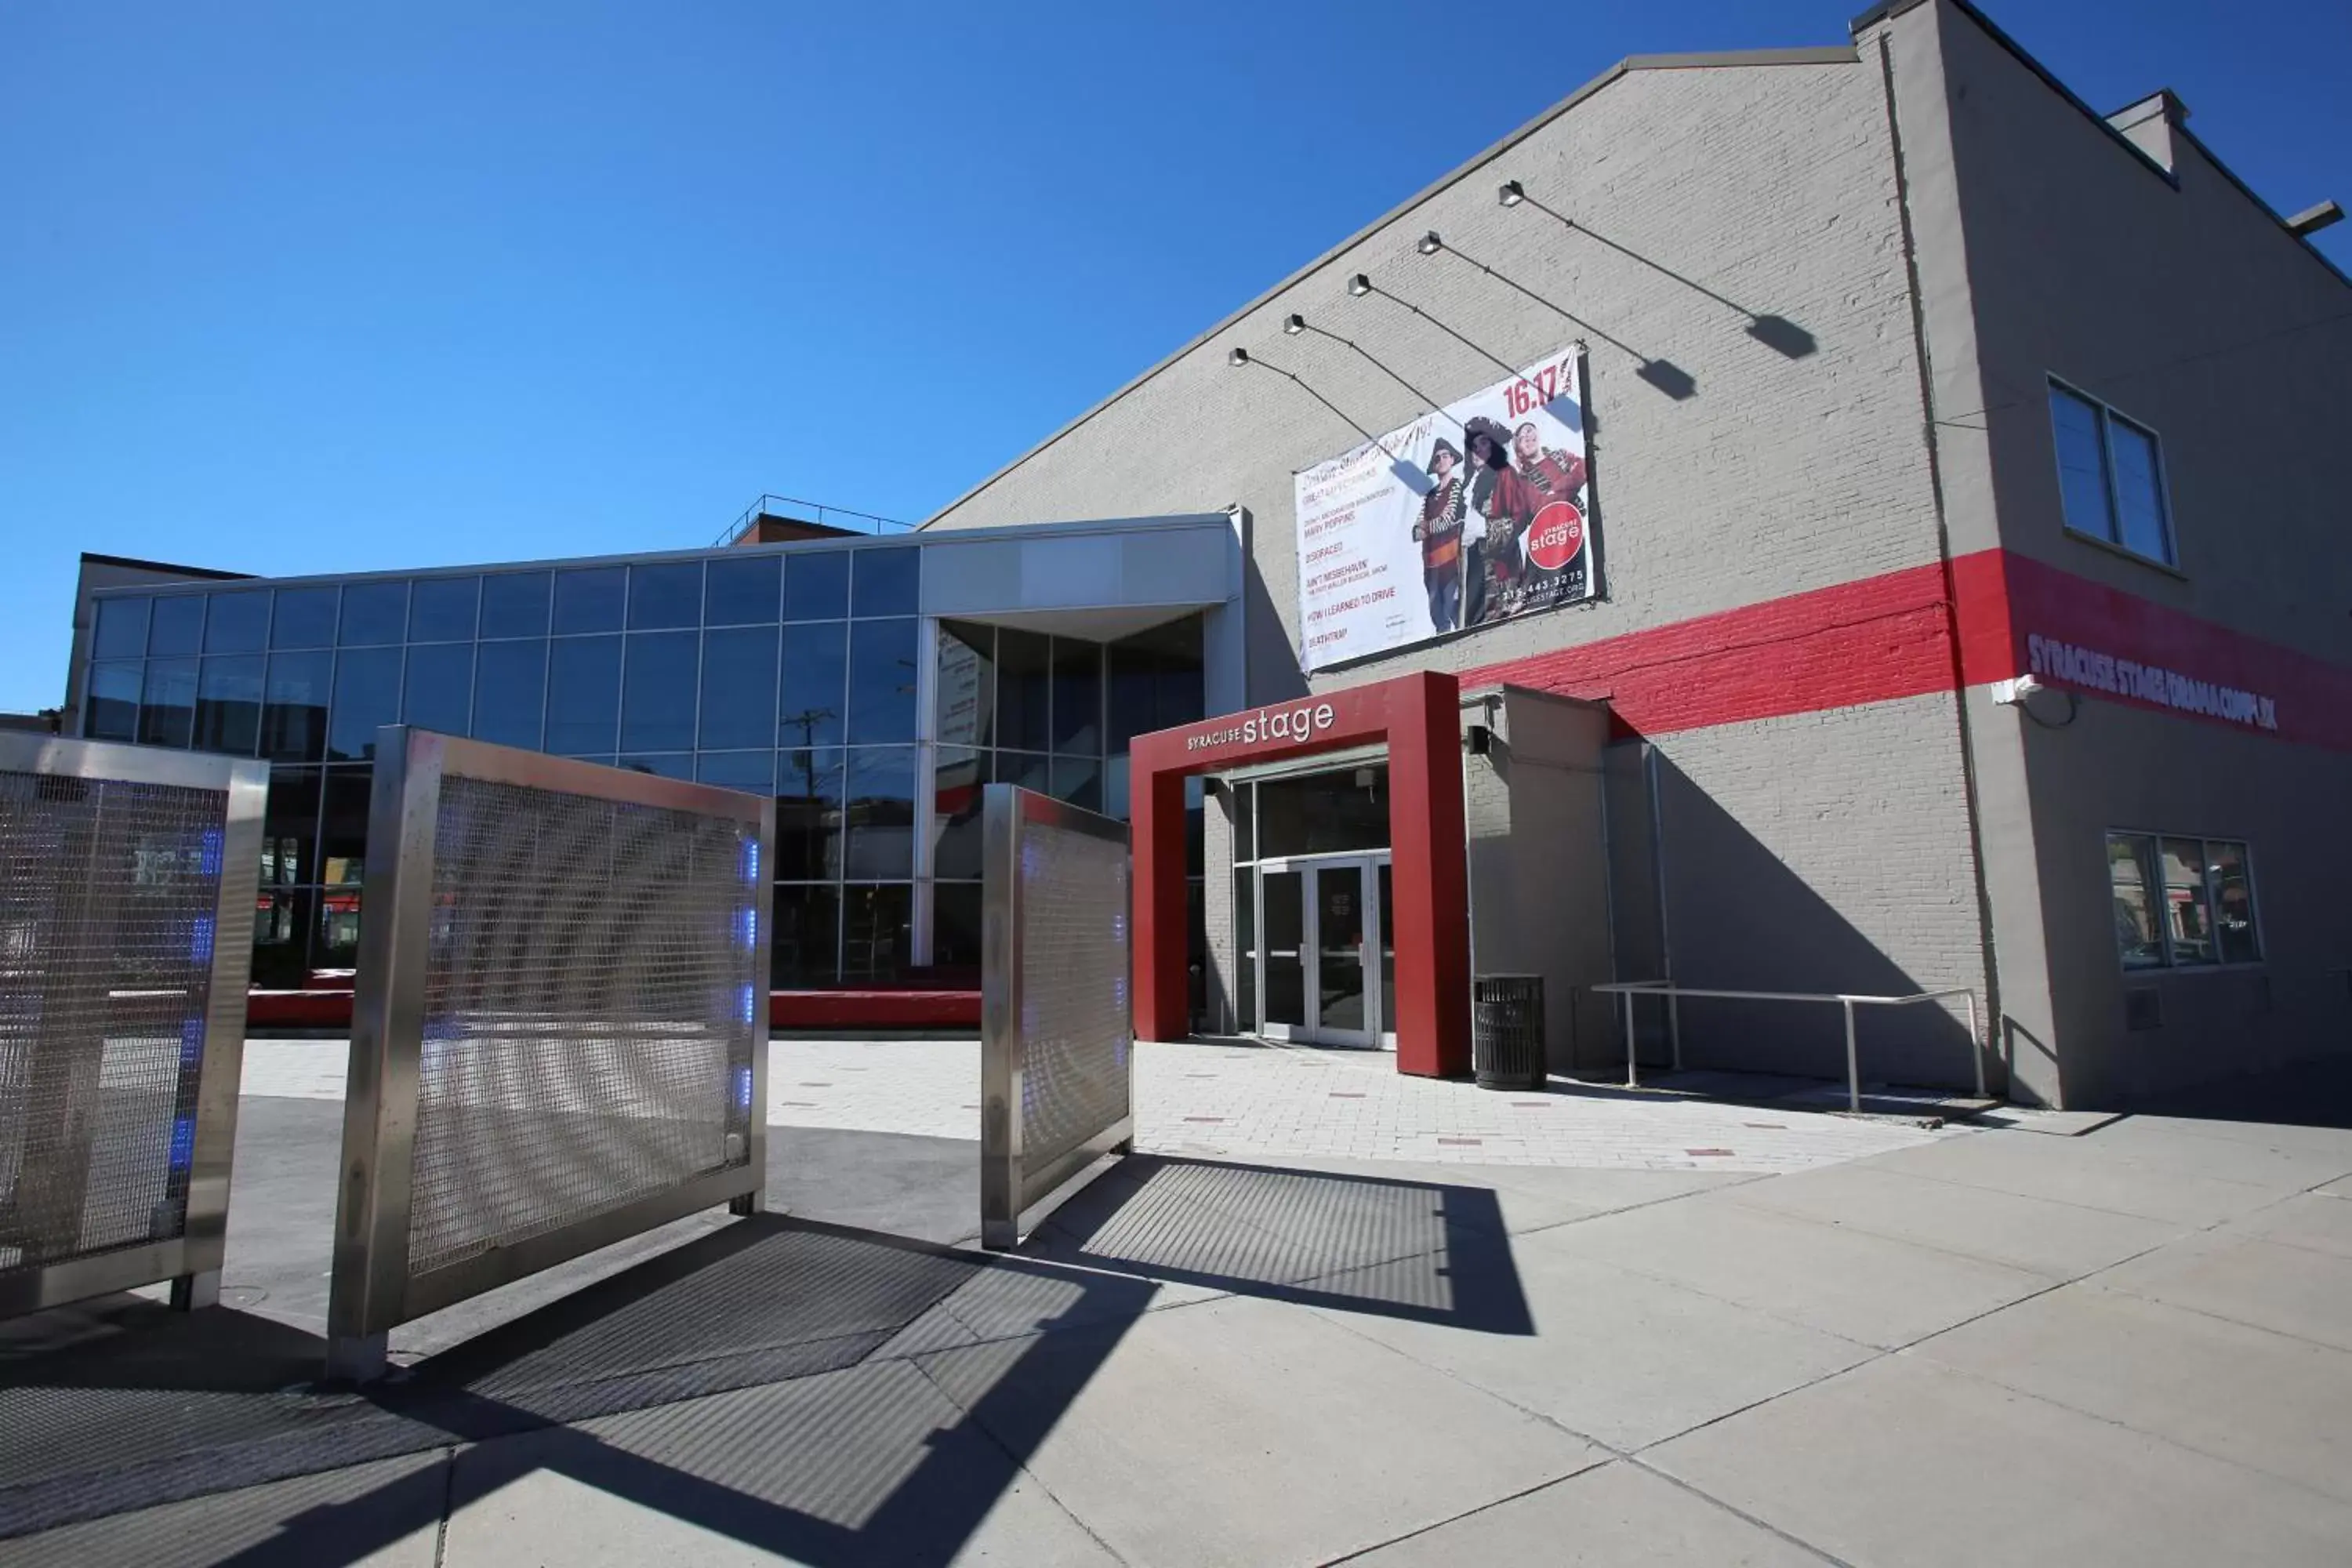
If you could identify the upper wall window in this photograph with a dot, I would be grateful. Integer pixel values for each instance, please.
(2111, 476)
(2182, 903)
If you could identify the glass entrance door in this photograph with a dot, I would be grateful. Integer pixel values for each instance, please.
(1329, 964)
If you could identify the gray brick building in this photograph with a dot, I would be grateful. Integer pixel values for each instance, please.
(1906, 374)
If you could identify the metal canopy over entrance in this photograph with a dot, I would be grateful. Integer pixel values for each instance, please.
(1407, 920)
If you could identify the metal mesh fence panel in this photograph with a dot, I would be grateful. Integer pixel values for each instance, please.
(560, 1018)
(1057, 1026)
(1074, 1035)
(111, 898)
(585, 1032)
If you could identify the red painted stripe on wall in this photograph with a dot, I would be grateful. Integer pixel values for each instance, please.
(1888, 636)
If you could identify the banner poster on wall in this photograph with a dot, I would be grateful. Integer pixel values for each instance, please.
(1469, 515)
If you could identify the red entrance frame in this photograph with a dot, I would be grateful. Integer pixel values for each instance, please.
(1418, 718)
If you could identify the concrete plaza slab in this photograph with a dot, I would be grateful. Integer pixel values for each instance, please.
(1990, 1345)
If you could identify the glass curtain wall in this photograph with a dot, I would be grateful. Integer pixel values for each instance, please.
(1055, 715)
(794, 674)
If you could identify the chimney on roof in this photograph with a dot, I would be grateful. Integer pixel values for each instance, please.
(2311, 220)
(2147, 124)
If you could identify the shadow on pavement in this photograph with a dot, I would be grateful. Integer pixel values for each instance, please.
(818, 1429)
(2306, 1094)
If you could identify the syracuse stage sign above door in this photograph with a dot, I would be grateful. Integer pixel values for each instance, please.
(1471, 514)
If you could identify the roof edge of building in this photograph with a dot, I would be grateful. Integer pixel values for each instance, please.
(207, 574)
(1819, 55)
(2173, 107)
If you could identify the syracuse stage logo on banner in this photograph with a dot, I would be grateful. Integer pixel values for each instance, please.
(1469, 515)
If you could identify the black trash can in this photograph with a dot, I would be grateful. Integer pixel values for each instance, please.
(1507, 1031)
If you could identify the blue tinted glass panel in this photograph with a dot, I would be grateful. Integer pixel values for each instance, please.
(1027, 769)
(1079, 780)
(742, 593)
(956, 926)
(178, 624)
(290, 830)
(2140, 491)
(808, 814)
(167, 707)
(666, 765)
(1078, 697)
(344, 824)
(815, 669)
(882, 680)
(510, 691)
(590, 598)
(514, 605)
(294, 708)
(876, 928)
(657, 703)
(967, 686)
(122, 629)
(2081, 464)
(367, 696)
(958, 781)
(373, 613)
(1024, 683)
(238, 622)
(439, 691)
(110, 707)
(305, 617)
(880, 812)
(753, 772)
(887, 581)
(228, 704)
(584, 695)
(738, 687)
(817, 587)
(441, 609)
(668, 595)
(805, 949)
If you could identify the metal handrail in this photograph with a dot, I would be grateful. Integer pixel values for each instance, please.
(1629, 989)
(815, 512)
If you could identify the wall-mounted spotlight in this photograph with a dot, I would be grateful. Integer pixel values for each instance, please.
(1430, 243)
(1360, 285)
(1292, 325)
(1238, 357)
(1511, 193)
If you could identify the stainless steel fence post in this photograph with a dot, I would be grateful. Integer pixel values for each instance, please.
(1852, 1059)
(1976, 1046)
(1632, 1051)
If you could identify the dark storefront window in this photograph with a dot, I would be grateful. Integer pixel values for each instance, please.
(805, 949)
(290, 827)
(808, 814)
(1024, 691)
(1078, 697)
(1327, 813)
(753, 772)
(343, 826)
(880, 813)
(955, 925)
(959, 780)
(877, 931)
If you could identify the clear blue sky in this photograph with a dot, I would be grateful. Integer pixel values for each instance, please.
(305, 288)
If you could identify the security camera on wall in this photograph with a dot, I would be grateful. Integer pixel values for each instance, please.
(2011, 693)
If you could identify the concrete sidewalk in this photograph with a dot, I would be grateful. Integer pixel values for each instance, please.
(2129, 1347)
